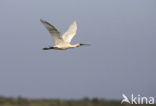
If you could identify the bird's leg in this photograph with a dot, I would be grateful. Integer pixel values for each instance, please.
(48, 48)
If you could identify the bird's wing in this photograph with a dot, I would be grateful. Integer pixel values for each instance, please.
(53, 31)
(70, 33)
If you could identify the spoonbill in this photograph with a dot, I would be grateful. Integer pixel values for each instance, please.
(62, 42)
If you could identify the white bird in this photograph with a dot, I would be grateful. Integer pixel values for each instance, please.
(62, 42)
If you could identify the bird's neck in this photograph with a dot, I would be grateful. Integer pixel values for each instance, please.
(76, 45)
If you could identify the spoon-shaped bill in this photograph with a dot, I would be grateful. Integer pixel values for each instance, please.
(84, 44)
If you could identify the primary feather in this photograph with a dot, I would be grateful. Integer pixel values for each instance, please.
(53, 31)
(70, 33)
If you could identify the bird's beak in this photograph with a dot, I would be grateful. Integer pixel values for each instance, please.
(84, 44)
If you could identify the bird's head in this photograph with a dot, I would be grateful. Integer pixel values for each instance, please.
(80, 44)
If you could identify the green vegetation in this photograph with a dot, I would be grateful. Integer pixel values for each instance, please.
(59, 102)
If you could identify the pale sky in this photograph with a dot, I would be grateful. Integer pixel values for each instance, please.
(121, 58)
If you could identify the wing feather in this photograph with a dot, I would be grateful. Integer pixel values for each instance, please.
(53, 31)
(70, 33)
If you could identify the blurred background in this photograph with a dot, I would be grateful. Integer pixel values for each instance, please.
(121, 58)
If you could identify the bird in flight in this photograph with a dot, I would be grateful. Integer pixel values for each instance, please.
(62, 42)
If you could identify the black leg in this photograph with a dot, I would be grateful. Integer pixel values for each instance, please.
(48, 48)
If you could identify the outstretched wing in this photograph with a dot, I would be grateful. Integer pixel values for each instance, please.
(70, 33)
(53, 31)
